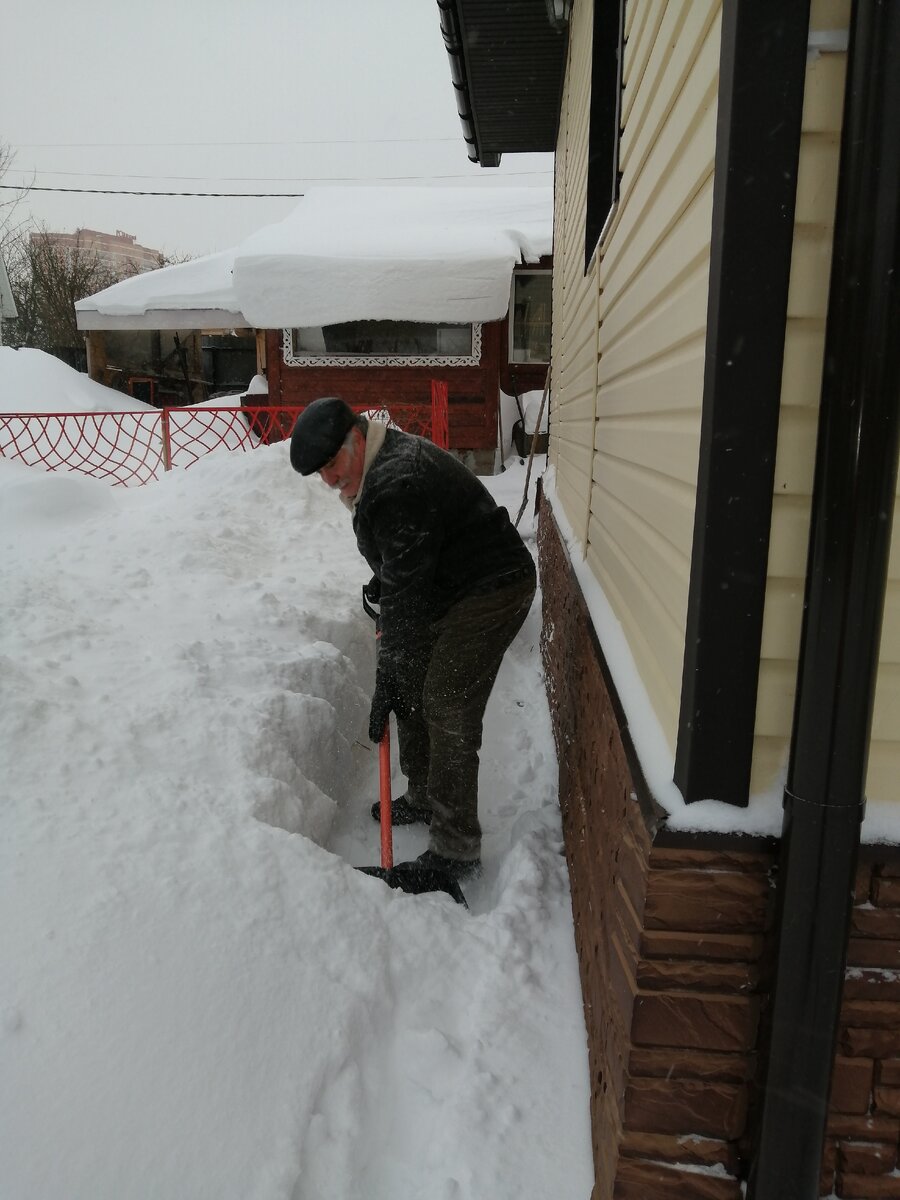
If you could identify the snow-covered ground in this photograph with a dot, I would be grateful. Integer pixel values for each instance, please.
(32, 381)
(200, 997)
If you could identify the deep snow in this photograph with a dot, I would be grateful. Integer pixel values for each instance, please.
(200, 997)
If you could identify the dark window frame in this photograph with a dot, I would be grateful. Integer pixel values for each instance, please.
(517, 275)
(603, 175)
(378, 328)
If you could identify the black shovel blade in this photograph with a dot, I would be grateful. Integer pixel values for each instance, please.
(417, 880)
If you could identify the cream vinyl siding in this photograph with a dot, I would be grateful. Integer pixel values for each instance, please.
(574, 354)
(795, 460)
(654, 279)
(801, 387)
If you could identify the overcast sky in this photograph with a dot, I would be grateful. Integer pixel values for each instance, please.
(225, 96)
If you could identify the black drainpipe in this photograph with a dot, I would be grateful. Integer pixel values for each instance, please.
(853, 502)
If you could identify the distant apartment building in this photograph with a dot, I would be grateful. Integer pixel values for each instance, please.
(119, 251)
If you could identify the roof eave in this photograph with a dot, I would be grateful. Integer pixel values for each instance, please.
(506, 65)
(163, 318)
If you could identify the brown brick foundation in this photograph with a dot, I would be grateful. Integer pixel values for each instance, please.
(675, 942)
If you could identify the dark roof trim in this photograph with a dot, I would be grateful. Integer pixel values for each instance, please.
(761, 82)
(507, 64)
(453, 45)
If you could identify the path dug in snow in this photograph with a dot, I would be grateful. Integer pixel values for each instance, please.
(200, 997)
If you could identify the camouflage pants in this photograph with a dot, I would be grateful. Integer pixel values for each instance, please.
(440, 741)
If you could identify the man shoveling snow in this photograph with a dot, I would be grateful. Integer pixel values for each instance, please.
(455, 583)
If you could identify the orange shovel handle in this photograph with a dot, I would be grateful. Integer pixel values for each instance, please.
(384, 772)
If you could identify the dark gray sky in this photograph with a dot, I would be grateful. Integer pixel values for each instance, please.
(226, 96)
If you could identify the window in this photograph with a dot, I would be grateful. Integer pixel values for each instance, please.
(603, 142)
(529, 328)
(388, 343)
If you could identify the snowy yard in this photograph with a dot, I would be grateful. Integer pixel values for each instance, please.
(200, 997)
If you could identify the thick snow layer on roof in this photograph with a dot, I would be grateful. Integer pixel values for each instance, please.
(203, 283)
(423, 254)
(362, 253)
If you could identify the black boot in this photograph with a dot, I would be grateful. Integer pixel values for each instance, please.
(403, 812)
(455, 868)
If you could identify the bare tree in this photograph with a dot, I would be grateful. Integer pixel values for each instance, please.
(12, 221)
(47, 279)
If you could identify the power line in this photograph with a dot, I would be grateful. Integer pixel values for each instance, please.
(36, 171)
(177, 178)
(168, 145)
(24, 187)
(10, 187)
(157, 176)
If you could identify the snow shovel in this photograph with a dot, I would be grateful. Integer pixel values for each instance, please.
(407, 877)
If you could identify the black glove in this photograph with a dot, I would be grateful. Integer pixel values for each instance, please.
(383, 704)
(371, 595)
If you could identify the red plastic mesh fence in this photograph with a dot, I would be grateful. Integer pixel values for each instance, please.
(132, 448)
(127, 447)
(411, 418)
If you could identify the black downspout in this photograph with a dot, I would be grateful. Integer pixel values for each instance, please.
(853, 502)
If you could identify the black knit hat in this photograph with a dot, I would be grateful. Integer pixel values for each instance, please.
(319, 433)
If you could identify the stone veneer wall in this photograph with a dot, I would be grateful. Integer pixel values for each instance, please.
(675, 939)
(861, 1149)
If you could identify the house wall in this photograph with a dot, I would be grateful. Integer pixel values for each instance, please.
(473, 391)
(575, 297)
(631, 333)
(801, 384)
(675, 937)
(628, 359)
(676, 933)
(795, 461)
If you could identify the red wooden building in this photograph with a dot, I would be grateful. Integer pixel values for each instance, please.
(375, 314)
(378, 364)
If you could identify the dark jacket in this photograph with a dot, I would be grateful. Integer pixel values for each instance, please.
(432, 533)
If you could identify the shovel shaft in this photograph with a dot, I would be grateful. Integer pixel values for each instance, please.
(384, 765)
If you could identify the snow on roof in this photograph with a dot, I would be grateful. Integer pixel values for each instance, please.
(358, 253)
(200, 287)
